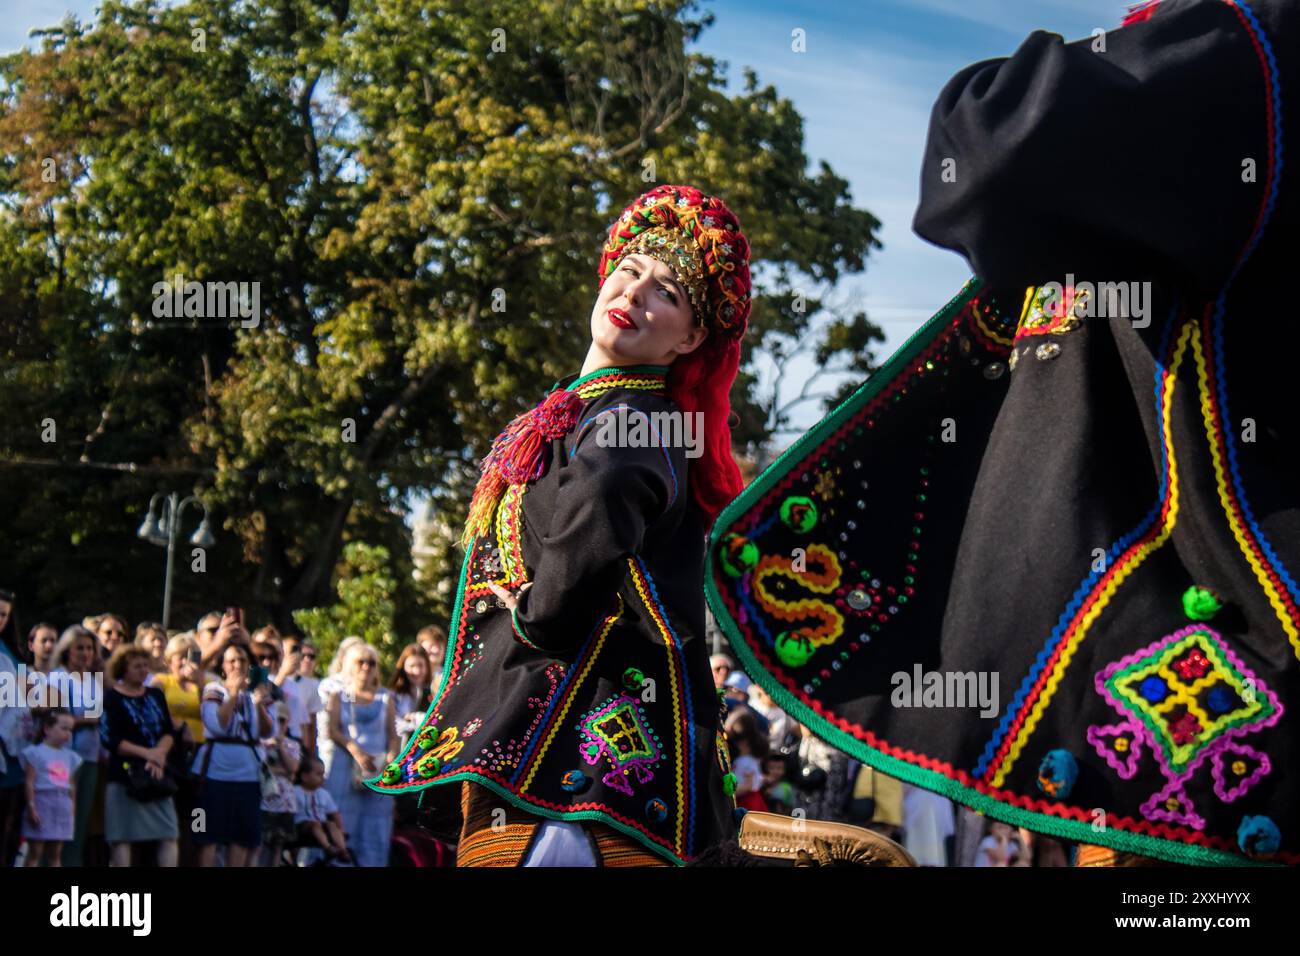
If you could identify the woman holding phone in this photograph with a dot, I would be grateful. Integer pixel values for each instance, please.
(229, 764)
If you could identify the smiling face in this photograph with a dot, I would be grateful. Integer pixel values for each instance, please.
(642, 316)
(362, 667)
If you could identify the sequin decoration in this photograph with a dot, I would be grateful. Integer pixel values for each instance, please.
(501, 758)
(1049, 311)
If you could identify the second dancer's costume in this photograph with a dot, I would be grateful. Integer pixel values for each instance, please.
(1045, 560)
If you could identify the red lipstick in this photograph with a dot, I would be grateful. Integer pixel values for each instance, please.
(620, 319)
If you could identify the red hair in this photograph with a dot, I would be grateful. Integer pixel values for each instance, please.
(701, 381)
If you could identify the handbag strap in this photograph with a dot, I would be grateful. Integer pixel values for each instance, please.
(208, 744)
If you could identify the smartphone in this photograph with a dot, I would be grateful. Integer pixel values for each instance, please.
(237, 613)
(195, 656)
(257, 676)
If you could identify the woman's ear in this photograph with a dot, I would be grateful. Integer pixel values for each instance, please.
(693, 340)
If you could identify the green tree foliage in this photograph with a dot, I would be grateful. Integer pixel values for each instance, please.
(420, 191)
(365, 606)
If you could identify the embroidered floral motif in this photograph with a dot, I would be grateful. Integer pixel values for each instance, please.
(618, 731)
(1186, 698)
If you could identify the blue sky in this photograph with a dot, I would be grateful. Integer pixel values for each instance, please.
(864, 86)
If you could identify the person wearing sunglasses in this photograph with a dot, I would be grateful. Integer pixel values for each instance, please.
(362, 726)
(111, 631)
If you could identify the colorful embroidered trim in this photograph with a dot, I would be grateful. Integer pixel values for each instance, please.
(1128, 835)
(582, 668)
(1260, 555)
(518, 453)
(519, 630)
(822, 597)
(1093, 596)
(642, 378)
(988, 326)
(509, 536)
(679, 687)
(1270, 575)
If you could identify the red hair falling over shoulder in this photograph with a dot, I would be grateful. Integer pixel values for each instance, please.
(701, 382)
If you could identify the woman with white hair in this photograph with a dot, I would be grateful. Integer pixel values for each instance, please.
(362, 728)
(326, 688)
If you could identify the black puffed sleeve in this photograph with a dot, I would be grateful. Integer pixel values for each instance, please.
(1120, 165)
(608, 498)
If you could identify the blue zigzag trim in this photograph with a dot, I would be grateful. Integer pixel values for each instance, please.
(1084, 589)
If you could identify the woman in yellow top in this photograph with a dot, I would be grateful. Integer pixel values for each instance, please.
(182, 684)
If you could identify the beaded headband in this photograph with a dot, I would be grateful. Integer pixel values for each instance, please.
(680, 253)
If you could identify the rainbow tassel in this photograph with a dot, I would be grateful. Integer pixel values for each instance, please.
(518, 456)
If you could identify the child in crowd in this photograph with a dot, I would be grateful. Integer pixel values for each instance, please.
(1001, 847)
(279, 798)
(748, 749)
(780, 792)
(320, 825)
(51, 810)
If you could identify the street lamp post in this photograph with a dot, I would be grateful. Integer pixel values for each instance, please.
(164, 528)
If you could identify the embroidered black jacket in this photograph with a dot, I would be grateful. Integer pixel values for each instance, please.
(594, 699)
